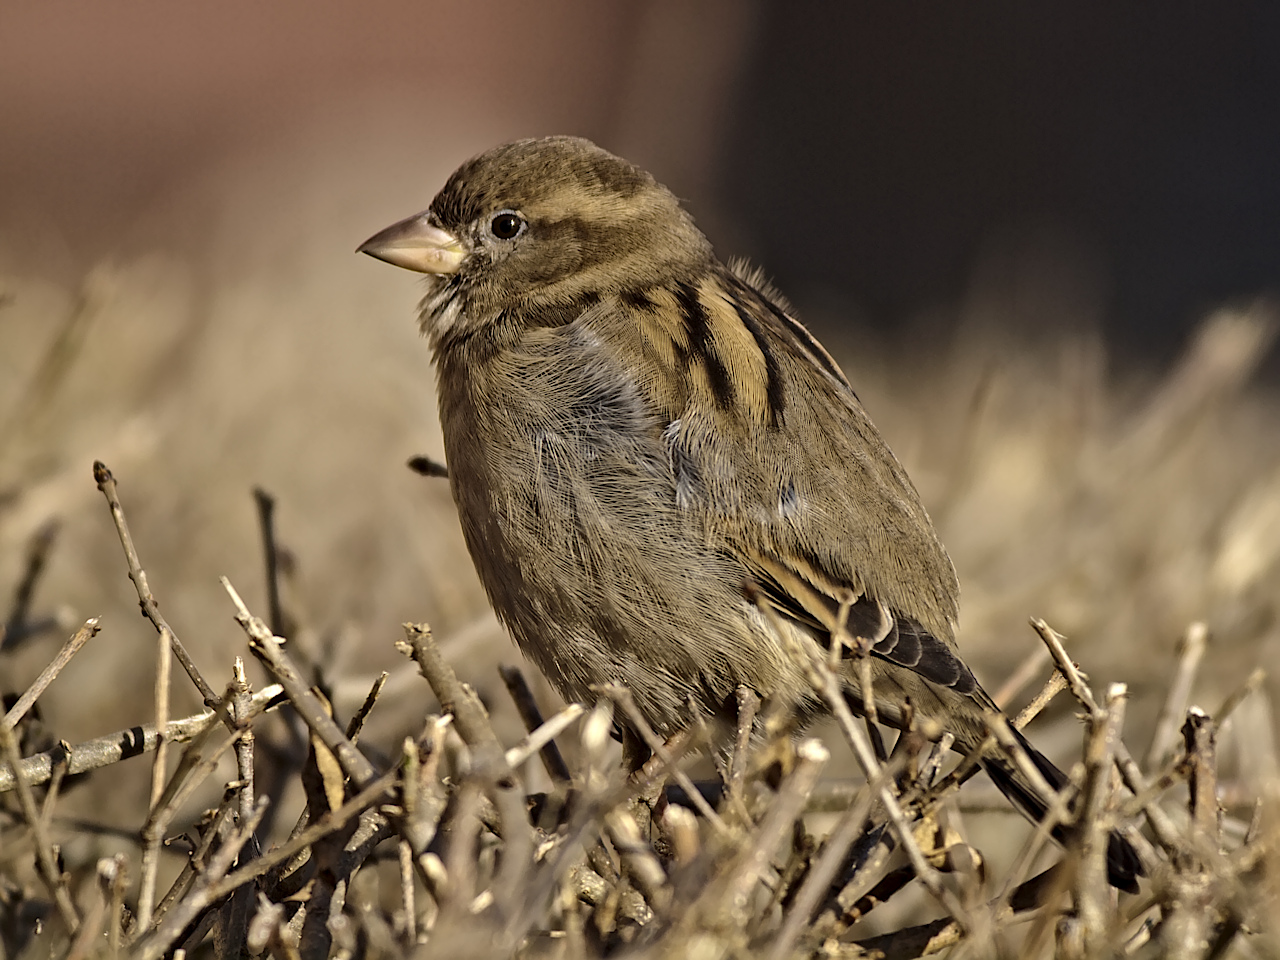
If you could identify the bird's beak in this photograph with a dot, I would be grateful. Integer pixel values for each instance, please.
(417, 245)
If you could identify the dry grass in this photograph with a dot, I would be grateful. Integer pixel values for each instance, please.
(1138, 514)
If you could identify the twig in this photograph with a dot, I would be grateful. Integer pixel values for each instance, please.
(266, 505)
(407, 900)
(1091, 875)
(750, 866)
(491, 766)
(203, 894)
(1190, 651)
(233, 921)
(823, 872)
(49, 673)
(748, 702)
(827, 685)
(159, 767)
(455, 697)
(1052, 687)
(623, 698)
(639, 863)
(527, 707)
(1075, 678)
(191, 771)
(1021, 677)
(1237, 696)
(270, 651)
(426, 467)
(121, 745)
(1198, 737)
(356, 723)
(150, 608)
(46, 860)
(217, 828)
(540, 738)
(17, 628)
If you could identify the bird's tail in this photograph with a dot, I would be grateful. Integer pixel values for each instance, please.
(1123, 866)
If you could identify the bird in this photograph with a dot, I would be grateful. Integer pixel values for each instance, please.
(658, 469)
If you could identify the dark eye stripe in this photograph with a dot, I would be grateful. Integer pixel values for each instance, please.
(701, 346)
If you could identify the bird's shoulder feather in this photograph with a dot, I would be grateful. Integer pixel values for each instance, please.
(773, 452)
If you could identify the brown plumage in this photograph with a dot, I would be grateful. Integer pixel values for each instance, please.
(634, 429)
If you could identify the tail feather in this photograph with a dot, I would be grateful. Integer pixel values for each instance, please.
(1123, 865)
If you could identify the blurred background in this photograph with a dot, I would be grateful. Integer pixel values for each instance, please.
(1008, 221)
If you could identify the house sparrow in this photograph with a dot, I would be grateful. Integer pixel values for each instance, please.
(634, 430)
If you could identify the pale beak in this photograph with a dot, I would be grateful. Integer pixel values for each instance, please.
(417, 245)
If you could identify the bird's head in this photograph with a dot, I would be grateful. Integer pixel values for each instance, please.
(535, 228)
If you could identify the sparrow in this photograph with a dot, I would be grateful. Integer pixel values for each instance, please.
(635, 429)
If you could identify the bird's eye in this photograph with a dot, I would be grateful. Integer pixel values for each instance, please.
(506, 225)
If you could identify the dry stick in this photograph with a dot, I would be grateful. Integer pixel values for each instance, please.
(969, 765)
(156, 943)
(598, 798)
(1173, 772)
(235, 917)
(1052, 687)
(527, 706)
(55, 784)
(150, 608)
(938, 935)
(472, 723)
(90, 932)
(266, 522)
(544, 735)
(269, 649)
(823, 872)
(1165, 832)
(623, 698)
(1190, 652)
(106, 909)
(117, 877)
(1075, 678)
(217, 828)
(639, 864)
(1021, 677)
(404, 852)
(354, 727)
(1091, 876)
(1058, 811)
(159, 767)
(463, 847)
(811, 757)
(1202, 780)
(1188, 926)
(47, 675)
(192, 770)
(16, 628)
(216, 882)
(455, 697)
(357, 720)
(748, 702)
(121, 745)
(866, 759)
(1237, 696)
(313, 713)
(46, 861)
(827, 685)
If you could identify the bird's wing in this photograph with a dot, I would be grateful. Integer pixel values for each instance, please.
(794, 479)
